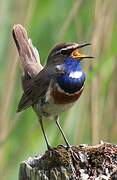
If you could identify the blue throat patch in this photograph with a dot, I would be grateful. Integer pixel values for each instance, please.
(73, 78)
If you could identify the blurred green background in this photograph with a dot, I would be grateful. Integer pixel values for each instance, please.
(94, 117)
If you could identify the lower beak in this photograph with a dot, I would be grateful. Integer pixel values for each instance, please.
(77, 55)
(82, 56)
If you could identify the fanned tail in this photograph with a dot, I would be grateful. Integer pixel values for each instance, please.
(29, 55)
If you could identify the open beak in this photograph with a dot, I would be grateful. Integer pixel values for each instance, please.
(77, 55)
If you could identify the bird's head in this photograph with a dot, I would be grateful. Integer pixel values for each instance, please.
(64, 50)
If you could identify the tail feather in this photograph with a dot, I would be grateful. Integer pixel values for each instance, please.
(30, 61)
(29, 55)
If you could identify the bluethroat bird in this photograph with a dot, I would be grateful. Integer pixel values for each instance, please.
(54, 88)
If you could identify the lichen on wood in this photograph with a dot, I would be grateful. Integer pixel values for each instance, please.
(83, 162)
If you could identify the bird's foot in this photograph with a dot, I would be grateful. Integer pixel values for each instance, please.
(74, 156)
(49, 147)
(68, 147)
(62, 145)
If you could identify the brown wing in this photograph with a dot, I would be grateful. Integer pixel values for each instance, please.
(24, 103)
(35, 89)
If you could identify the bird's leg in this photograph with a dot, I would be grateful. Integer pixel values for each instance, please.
(64, 137)
(45, 137)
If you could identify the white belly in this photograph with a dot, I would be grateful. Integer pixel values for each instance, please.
(50, 109)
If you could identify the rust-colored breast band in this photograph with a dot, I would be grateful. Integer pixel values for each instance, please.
(64, 98)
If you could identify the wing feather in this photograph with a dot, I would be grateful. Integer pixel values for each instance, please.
(24, 103)
(35, 89)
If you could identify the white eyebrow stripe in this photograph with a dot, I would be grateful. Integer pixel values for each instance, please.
(73, 46)
(75, 74)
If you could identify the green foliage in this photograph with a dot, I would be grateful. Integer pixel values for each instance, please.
(94, 116)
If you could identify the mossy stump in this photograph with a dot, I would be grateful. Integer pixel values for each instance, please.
(84, 162)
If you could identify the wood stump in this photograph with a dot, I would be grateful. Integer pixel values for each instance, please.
(85, 162)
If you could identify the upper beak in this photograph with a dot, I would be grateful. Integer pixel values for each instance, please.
(83, 45)
(76, 54)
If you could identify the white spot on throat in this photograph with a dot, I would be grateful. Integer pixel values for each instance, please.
(75, 74)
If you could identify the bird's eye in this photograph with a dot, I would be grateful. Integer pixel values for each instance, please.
(63, 52)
